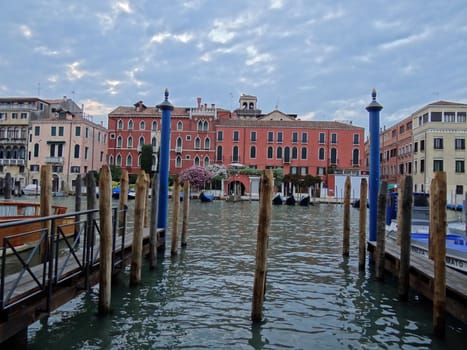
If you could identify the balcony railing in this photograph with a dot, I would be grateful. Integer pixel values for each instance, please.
(12, 161)
(54, 160)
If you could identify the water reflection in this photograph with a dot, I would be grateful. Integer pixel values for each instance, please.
(201, 298)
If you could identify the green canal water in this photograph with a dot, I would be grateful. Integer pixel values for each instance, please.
(315, 298)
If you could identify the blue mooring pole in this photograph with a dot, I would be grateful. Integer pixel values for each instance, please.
(374, 108)
(163, 197)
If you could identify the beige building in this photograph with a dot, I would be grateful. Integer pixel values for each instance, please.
(439, 134)
(71, 144)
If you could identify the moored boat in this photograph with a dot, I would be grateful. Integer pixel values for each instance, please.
(206, 197)
(305, 201)
(32, 190)
(290, 200)
(278, 200)
(28, 233)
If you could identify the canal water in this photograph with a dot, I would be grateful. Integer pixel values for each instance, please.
(315, 298)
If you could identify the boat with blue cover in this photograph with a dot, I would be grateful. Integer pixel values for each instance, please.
(206, 197)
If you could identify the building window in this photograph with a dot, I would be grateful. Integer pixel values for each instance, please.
(321, 153)
(295, 137)
(61, 131)
(461, 117)
(253, 136)
(356, 139)
(53, 131)
(422, 165)
(270, 136)
(220, 136)
(14, 115)
(206, 161)
(196, 161)
(119, 142)
(459, 144)
(236, 136)
(120, 125)
(252, 152)
(86, 132)
(415, 147)
(154, 126)
(197, 143)
(101, 158)
(207, 143)
(142, 125)
(86, 151)
(178, 162)
(76, 153)
(280, 137)
(129, 160)
(24, 116)
(438, 165)
(422, 145)
(75, 169)
(178, 147)
(118, 161)
(219, 154)
(141, 141)
(235, 157)
(130, 125)
(78, 131)
(37, 130)
(286, 155)
(304, 137)
(333, 156)
(294, 153)
(270, 152)
(333, 138)
(279, 153)
(449, 117)
(459, 189)
(435, 117)
(460, 166)
(355, 157)
(130, 142)
(304, 153)
(179, 126)
(36, 150)
(321, 137)
(438, 143)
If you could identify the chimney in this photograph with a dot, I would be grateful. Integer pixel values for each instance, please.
(213, 105)
(205, 106)
(199, 102)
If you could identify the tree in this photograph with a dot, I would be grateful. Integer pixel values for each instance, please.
(197, 176)
(146, 158)
(116, 172)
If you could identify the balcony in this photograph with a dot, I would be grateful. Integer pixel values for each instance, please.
(12, 161)
(53, 160)
(10, 141)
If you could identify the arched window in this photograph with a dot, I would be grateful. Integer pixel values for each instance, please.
(142, 125)
(118, 161)
(206, 161)
(304, 153)
(141, 141)
(130, 124)
(8, 153)
(129, 160)
(252, 106)
(22, 153)
(207, 143)
(76, 153)
(200, 126)
(154, 126)
(179, 144)
(119, 142)
(219, 154)
(287, 155)
(154, 162)
(196, 161)
(355, 157)
(321, 153)
(179, 125)
(178, 162)
(205, 126)
(120, 124)
(139, 160)
(270, 152)
(130, 142)
(333, 156)
(252, 152)
(279, 153)
(294, 153)
(154, 142)
(235, 154)
(197, 143)
(111, 160)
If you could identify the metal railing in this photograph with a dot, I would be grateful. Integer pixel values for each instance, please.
(62, 247)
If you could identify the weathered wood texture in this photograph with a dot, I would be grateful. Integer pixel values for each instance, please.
(186, 209)
(122, 201)
(346, 233)
(137, 247)
(153, 222)
(381, 229)
(362, 225)
(404, 229)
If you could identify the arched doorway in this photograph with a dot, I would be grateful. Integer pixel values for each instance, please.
(236, 188)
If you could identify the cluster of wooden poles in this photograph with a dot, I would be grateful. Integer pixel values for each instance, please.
(437, 241)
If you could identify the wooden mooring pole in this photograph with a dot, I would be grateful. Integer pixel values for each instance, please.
(175, 214)
(137, 247)
(404, 229)
(381, 230)
(77, 204)
(105, 247)
(346, 234)
(147, 178)
(7, 186)
(439, 250)
(433, 220)
(122, 201)
(186, 208)
(362, 225)
(153, 223)
(264, 223)
(46, 205)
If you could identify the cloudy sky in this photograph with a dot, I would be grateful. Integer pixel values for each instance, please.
(319, 59)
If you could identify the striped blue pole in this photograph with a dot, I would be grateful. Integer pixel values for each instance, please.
(163, 197)
(374, 108)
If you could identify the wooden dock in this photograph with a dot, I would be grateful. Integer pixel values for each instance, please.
(422, 279)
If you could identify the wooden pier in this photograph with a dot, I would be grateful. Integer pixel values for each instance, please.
(422, 279)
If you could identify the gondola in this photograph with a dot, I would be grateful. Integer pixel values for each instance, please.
(278, 200)
(206, 197)
(290, 200)
(305, 201)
